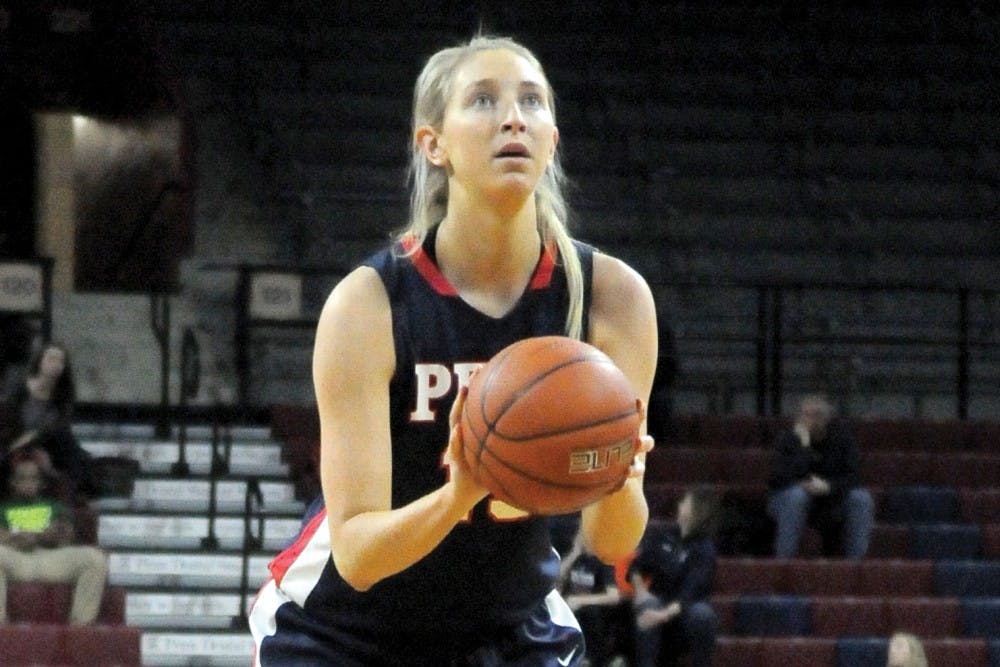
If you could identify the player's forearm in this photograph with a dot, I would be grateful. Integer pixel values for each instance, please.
(615, 524)
(371, 546)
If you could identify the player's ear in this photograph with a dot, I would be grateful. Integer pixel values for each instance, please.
(430, 145)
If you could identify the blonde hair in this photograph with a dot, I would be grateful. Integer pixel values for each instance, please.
(916, 656)
(429, 183)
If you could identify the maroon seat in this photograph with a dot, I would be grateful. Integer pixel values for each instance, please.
(112, 610)
(749, 575)
(979, 505)
(983, 436)
(885, 434)
(785, 651)
(888, 467)
(895, 577)
(965, 469)
(37, 602)
(954, 652)
(746, 465)
(686, 465)
(725, 610)
(737, 652)
(102, 646)
(889, 541)
(846, 616)
(31, 644)
(991, 540)
(823, 576)
(931, 617)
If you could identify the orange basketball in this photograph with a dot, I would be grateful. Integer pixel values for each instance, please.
(550, 425)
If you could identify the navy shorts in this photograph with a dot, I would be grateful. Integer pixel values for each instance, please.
(289, 637)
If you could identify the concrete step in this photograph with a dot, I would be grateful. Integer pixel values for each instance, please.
(259, 457)
(189, 494)
(208, 648)
(178, 569)
(197, 610)
(141, 431)
(187, 531)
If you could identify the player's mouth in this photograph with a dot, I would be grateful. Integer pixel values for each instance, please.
(513, 150)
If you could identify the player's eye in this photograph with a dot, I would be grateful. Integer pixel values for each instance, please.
(483, 101)
(532, 100)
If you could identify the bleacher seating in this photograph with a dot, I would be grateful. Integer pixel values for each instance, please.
(932, 568)
(38, 632)
(173, 596)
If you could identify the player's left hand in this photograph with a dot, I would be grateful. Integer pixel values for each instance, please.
(644, 445)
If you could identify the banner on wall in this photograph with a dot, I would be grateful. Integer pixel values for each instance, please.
(275, 296)
(22, 288)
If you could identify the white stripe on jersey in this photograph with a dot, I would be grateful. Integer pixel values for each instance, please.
(297, 583)
(304, 573)
(262, 619)
(559, 611)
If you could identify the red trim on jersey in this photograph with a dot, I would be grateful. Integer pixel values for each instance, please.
(546, 265)
(283, 561)
(429, 270)
(431, 273)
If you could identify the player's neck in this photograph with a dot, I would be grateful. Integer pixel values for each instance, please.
(490, 264)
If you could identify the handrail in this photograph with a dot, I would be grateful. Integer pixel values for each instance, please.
(771, 337)
(253, 498)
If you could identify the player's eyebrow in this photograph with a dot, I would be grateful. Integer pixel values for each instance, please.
(529, 84)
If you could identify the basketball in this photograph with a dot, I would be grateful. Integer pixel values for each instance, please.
(550, 424)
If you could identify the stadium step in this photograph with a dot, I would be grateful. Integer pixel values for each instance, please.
(172, 531)
(159, 609)
(183, 569)
(138, 432)
(207, 648)
(159, 456)
(192, 494)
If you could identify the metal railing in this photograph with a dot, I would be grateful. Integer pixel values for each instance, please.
(778, 337)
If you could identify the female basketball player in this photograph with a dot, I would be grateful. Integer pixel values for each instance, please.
(411, 563)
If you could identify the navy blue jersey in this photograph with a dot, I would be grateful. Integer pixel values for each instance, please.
(492, 570)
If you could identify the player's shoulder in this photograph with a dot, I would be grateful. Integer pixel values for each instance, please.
(612, 273)
(363, 285)
(619, 290)
(358, 303)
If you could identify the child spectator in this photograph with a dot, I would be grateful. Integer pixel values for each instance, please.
(36, 534)
(589, 588)
(672, 579)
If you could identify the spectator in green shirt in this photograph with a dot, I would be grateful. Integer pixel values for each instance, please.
(36, 540)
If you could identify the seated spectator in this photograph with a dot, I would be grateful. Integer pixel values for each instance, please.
(905, 650)
(36, 534)
(815, 479)
(672, 579)
(589, 588)
(39, 414)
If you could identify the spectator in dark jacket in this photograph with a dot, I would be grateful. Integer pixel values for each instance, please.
(672, 579)
(39, 415)
(815, 479)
